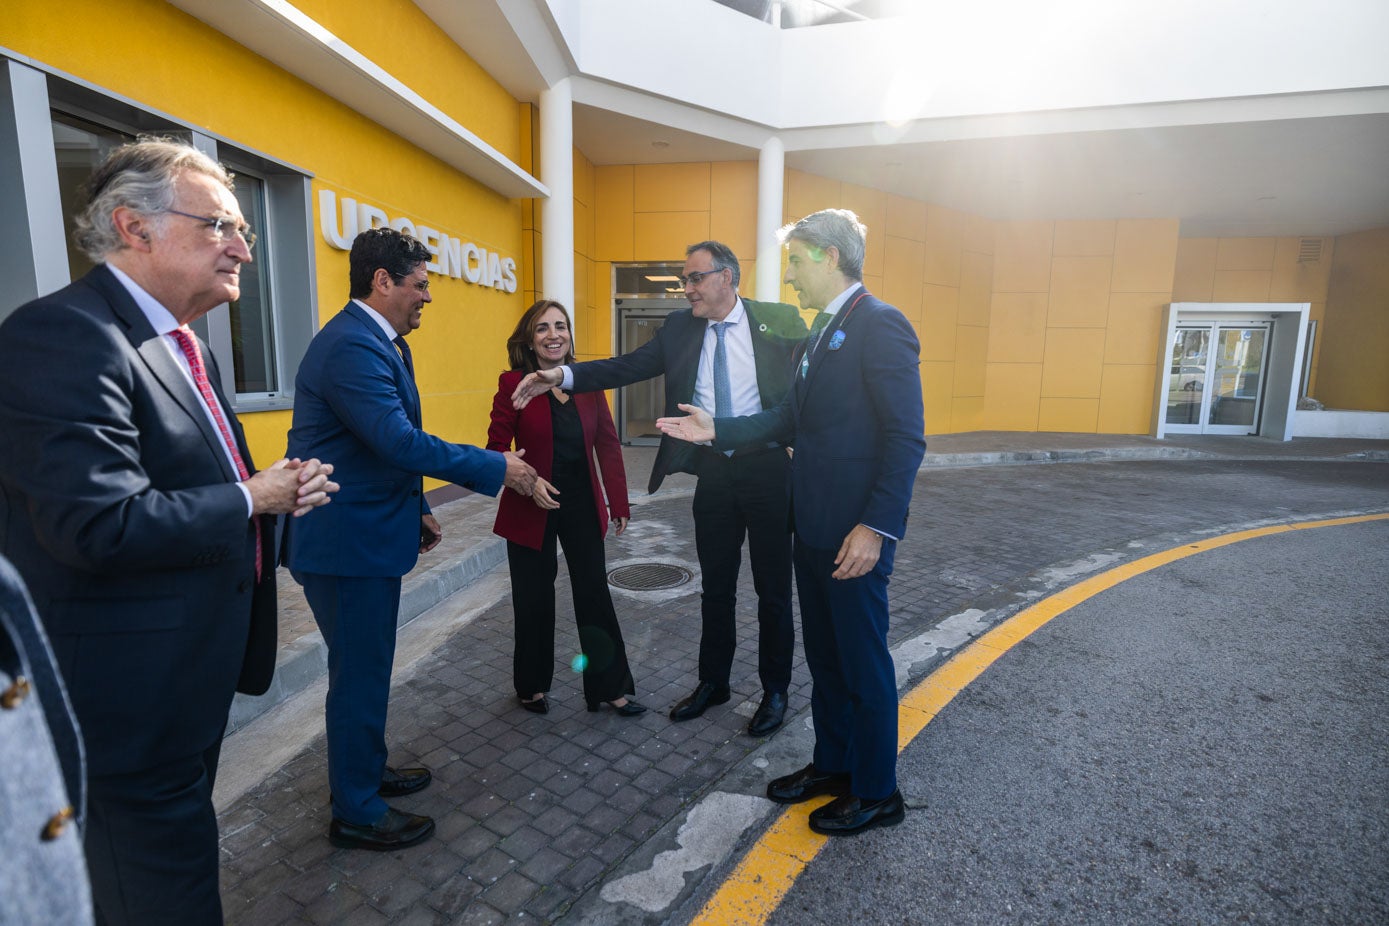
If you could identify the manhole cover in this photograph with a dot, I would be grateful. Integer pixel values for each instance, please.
(648, 577)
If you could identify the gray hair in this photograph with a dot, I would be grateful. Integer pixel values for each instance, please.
(139, 176)
(832, 228)
(724, 258)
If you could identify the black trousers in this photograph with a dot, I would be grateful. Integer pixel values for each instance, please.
(151, 844)
(575, 525)
(744, 495)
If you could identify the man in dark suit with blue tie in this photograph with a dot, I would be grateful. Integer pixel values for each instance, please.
(855, 414)
(130, 505)
(734, 351)
(355, 398)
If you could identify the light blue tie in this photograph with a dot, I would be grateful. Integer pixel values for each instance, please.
(723, 389)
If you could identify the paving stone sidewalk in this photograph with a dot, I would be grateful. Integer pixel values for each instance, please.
(536, 812)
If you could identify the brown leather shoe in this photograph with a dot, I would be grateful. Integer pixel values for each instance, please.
(398, 782)
(395, 830)
(807, 783)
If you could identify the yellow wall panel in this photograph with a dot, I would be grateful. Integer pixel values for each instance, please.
(1241, 285)
(874, 284)
(663, 236)
(1012, 396)
(940, 307)
(600, 297)
(1079, 292)
(583, 228)
(902, 262)
(967, 414)
(1017, 327)
(936, 380)
(971, 356)
(266, 435)
(733, 209)
(1022, 257)
(1126, 398)
(614, 191)
(1295, 281)
(1135, 328)
(1194, 279)
(807, 193)
(1073, 416)
(1356, 328)
(1084, 239)
(747, 283)
(976, 285)
(671, 188)
(979, 234)
(1145, 255)
(1072, 367)
(1245, 254)
(946, 231)
(583, 177)
(906, 218)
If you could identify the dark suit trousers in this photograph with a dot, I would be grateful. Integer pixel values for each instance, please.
(574, 524)
(854, 698)
(151, 844)
(738, 496)
(357, 616)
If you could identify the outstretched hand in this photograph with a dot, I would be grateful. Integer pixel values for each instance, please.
(695, 427)
(535, 384)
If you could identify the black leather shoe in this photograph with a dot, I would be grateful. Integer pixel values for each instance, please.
(807, 783)
(705, 696)
(631, 709)
(537, 705)
(398, 782)
(847, 815)
(769, 714)
(395, 830)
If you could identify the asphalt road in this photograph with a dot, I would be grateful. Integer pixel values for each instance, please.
(1205, 743)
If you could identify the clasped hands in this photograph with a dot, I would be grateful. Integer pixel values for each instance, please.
(291, 487)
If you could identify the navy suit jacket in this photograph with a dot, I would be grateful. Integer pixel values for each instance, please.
(857, 422)
(356, 406)
(778, 333)
(120, 509)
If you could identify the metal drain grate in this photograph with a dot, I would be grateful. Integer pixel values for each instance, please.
(648, 577)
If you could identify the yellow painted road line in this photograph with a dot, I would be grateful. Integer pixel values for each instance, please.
(766, 873)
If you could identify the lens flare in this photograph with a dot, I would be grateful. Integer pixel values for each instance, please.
(579, 663)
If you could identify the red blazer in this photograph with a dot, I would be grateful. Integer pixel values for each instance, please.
(519, 519)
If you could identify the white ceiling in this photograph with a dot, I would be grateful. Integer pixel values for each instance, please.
(1294, 164)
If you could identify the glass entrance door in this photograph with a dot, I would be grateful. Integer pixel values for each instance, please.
(1216, 378)
(640, 404)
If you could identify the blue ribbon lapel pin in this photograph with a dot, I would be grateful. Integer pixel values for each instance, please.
(837, 340)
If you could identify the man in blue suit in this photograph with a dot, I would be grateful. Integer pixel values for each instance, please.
(739, 495)
(855, 414)
(355, 398)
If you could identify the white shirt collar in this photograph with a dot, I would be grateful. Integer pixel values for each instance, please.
(837, 302)
(380, 319)
(735, 314)
(160, 318)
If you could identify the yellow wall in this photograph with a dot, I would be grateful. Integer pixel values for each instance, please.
(1356, 327)
(251, 102)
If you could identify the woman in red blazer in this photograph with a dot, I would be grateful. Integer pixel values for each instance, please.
(560, 437)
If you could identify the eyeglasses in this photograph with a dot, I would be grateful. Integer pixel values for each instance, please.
(695, 277)
(223, 227)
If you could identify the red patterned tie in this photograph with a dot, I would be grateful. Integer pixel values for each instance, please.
(189, 345)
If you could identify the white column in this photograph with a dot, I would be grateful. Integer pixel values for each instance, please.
(771, 171)
(557, 212)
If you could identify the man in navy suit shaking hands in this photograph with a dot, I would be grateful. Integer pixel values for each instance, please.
(854, 412)
(355, 397)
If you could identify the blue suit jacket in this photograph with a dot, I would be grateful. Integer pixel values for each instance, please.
(777, 334)
(857, 423)
(356, 406)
